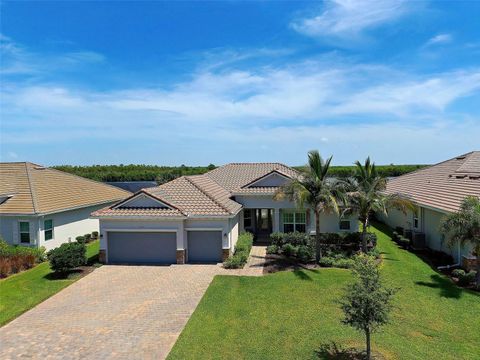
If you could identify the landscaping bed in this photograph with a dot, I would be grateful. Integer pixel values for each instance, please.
(292, 314)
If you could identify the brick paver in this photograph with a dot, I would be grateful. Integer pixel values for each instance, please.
(116, 312)
(123, 312)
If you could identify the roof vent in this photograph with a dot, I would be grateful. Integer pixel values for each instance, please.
(39, 167)
(460, 157)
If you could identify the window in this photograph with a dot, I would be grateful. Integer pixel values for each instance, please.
(247, 218)
(48, 227)
(24, 232)
(294, 221)
(344, 225)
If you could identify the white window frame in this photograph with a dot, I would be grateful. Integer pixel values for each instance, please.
(20, 232)
(49, 229)
(349, 225)
(295, 220)
(416, 220)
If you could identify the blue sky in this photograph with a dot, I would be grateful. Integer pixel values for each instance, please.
(199, 82)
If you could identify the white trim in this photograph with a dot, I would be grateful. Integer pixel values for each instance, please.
(140, 230)
(204, 229)
(271, 173)
(138, 217)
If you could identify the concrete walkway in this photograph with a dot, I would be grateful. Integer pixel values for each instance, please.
(254, 265)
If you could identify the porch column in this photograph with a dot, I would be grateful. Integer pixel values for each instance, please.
(276, 220)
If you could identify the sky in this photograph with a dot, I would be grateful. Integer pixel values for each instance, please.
(200, 82)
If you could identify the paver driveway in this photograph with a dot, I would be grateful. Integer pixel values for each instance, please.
(131, 312)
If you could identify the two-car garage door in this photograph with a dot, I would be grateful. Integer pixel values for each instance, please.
(130, 247)
(142, 247)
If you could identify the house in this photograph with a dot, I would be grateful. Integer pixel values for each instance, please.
(198, 218)
(40, 206)
(437, 191)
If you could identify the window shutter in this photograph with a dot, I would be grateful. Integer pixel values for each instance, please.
(16, 232)
(33, 234)
(307, 218)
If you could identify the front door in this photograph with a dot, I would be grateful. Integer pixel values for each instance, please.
(263, 227)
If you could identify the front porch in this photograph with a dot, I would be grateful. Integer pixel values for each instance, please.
(261, 222)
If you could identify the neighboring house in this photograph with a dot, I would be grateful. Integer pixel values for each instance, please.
(198, 218)
(40, 206)
(437, 190)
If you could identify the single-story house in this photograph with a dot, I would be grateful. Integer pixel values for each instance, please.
(198, 218)
(437, 190)
(40, 206)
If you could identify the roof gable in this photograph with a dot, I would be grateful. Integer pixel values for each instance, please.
(273, 179)
(142, 200)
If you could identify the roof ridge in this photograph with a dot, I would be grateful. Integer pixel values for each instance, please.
(30, 186)
(206, 193)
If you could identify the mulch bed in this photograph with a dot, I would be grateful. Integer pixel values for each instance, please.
(275, 263)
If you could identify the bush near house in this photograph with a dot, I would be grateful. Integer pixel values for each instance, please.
(15, 258)
(87, 237)
(67, 257)
(242, 250)
(94, 235)
(339, 247)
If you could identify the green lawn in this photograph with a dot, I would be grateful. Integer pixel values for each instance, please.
(21, 292)
(288, 315)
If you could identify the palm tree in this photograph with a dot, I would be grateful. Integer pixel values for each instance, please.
(314, 189)
(366, 195)
(464, 226)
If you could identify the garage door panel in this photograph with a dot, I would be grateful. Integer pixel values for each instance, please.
(142, 247)
(204, 246)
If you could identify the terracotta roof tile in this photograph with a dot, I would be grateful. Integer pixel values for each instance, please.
(442, 186)
(35, 189)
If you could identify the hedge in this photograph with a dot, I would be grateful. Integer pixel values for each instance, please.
(242, 250)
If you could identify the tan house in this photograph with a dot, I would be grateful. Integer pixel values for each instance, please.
(198, 218)
(40, 206)
(437, 190)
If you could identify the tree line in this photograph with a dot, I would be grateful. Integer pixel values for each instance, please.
(162, 174)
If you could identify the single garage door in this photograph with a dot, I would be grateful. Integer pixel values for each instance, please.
(204, 246)
(142, 247)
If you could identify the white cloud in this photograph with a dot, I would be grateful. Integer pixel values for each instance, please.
(439, 39)
(349, 19)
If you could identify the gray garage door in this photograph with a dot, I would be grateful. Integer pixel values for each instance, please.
(204, 246)
(142, 247)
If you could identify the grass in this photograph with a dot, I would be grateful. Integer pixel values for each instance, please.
(21, 292)
(289, 315)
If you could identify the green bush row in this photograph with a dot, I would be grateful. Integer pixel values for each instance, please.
(241, 253)
(15, 258)
(464, 278)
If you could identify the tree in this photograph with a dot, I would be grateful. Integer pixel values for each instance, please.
(463, 226)
(366, 194)
(367, 302)
(315, 189)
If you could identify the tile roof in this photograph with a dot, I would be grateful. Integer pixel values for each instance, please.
(236, 175)
(209, 194)
(35, 189)
(442, 186)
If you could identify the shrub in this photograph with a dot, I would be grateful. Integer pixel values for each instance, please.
(242, 250)
(233, 262)
(344, 263)
(404, 242)
(87, 237)
(326, 261)
(374, 253)
(94, 235)
(296, 238)
(395, 236)
(467, 278)
(80, 239)
(5, 267)
(15, 258)
(67, 257)
(277, 238)
(458, 273)
(289, 250)
(304, 253)
(272, 249)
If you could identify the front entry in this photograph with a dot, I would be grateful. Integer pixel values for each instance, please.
(259, 222)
